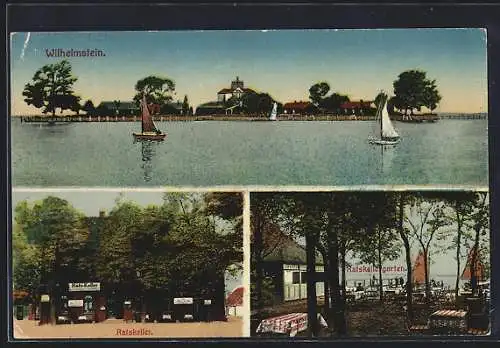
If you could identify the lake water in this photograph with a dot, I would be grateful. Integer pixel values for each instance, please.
(209, 153)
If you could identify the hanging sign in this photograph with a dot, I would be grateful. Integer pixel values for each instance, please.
(75, 303)
(183, 300)
(92, 286)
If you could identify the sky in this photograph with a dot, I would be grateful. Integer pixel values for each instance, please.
(90, 203)
(283, 63)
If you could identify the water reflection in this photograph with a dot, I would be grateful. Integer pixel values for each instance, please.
(148, 151)
(387, 155)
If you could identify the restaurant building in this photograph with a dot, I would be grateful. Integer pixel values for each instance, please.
(284, 262)
(237, 90)
(81, 302)
(299, 108)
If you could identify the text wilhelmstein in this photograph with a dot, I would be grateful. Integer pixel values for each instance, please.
(371, 269)
(134, 332)
(59, 52)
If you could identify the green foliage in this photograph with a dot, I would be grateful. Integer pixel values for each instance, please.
(318, 91)
(25, 261)
(333, 102)
(318, 96)
(52, 88)
(179, 245)
(158, 90)
(254, 103)
(50, 236)
(431, 97)
(413, 90)
(185, 106)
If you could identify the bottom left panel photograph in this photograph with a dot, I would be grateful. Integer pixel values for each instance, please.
(127, 264)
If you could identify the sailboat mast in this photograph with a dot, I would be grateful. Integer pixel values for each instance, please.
(143, 104)
(382, 102)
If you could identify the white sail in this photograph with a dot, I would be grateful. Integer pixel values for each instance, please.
(274, 112)
(388, 130)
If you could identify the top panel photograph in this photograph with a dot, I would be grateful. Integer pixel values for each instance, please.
(245, 108)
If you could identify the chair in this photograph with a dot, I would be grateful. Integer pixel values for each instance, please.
(415, 327)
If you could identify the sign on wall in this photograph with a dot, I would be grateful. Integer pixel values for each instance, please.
(183, 300)
(75, 303)
(92, 286)
(372, 269)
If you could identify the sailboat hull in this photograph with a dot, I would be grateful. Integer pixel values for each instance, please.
(383, 141)
(149, 136)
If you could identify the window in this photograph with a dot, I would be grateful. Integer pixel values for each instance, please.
(304, 277)
(295, 277)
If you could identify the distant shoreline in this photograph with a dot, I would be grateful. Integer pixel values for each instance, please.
(283, 117)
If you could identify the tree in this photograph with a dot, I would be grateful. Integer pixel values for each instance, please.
(89, 107)
(480, 225)
(413, 90)
(380, 243)
(462, 204)
(185, 106)
(333, 102)
(116, 104)
(431, 96)
(425, 217)
(51, 88)
(255, 103)
(264, 209)
(158, 90)
(25, 262)
(59, 233)
(318, 91)
(404, 233)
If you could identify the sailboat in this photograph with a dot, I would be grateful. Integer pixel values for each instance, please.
(478, 270)
(274, 112)
(388, 135)
(149, 130)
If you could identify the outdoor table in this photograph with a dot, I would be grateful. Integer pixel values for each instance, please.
(289, 324)
(447, 320)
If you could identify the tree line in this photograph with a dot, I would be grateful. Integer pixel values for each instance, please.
(52, 89)
(412, 91)
(374, 227)
(181, 246)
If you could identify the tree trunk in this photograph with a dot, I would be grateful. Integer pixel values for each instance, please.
(379, 260)
(337, 311)
(406, 243)
(473, 268)
(459, 241)
(326, 291)
(343, 265)
(426, 273)
(258, 249)
(312, 317)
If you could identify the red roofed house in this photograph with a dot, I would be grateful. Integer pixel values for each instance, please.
(298, 107)
(237, 90)
(234, 302)
(357, 107)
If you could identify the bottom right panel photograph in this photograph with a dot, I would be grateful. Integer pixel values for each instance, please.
(370, 263)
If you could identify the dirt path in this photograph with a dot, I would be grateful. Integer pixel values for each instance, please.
(114, 328)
